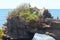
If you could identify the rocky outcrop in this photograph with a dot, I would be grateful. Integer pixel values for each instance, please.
(54, 29)
(24, 23)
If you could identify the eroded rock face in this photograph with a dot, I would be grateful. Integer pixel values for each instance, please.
(21, 29)
(54, 29)
(18, 27)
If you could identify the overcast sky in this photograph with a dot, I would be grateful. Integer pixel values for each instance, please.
(49, 4)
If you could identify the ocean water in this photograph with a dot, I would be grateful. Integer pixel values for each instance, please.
(38, 36)
(3, 13)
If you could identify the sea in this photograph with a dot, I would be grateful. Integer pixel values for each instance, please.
(4, 12)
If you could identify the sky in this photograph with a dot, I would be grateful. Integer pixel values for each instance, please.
(11, 4)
